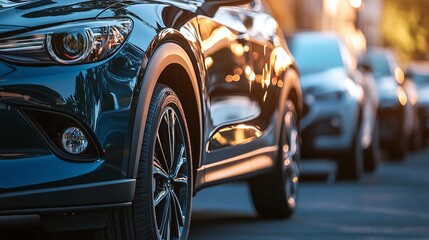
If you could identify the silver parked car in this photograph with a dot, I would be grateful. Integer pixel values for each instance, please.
(418, 73)
(341, 104)
(399, 124)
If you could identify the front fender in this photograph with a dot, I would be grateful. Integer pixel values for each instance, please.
(165, 55)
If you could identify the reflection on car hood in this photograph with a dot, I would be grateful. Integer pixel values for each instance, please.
(24, 14)
(15, 3)
(334, 78)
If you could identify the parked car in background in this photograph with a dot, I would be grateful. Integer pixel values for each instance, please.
(113, 114)
(418, 73)
(399, 128)
(340, 104)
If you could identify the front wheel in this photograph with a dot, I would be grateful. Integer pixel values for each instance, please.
(350, 164)
(372, 154)
(275, 194)
(398, 147)
(162, 203)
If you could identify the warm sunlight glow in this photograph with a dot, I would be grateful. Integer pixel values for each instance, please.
(295, 179)
(356, 3)
(248, 70)
(331, 6)
(209, 62)
(237, 49)
(399, 75)
(402, 96)
(228, 78)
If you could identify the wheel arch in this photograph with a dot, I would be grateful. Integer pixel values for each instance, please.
(168, 59)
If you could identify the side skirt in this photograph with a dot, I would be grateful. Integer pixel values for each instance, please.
(237, 168)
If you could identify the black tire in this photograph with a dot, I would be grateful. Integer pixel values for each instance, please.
(162, 203)
(350, 164)
(398, 147)
(416, 138)
(274, 194)
(372, 154)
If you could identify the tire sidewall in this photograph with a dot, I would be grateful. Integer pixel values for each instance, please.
(165, 98)
(289, 108)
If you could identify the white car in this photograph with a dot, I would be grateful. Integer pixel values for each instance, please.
(341, 104)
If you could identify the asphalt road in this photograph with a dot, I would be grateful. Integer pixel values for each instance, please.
(390, 204)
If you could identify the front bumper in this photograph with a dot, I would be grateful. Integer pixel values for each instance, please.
(423, 113)
(36, 102)
(329, 127)
(36, 177)
(74, 198)
(391, 125)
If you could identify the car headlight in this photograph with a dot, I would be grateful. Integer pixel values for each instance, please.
(402, 95)
(71, 43)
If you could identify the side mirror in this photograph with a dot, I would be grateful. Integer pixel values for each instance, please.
(210, 7)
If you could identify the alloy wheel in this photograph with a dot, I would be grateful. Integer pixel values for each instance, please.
(291, 152)
(170, 180)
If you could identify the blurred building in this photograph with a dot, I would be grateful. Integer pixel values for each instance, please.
(370, 20)
(340, 16)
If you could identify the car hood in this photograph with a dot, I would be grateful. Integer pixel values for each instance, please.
(386, 87)
(330, 80)
(22, 15)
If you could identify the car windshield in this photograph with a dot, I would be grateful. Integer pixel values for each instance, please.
(379, 63)
(314, 55)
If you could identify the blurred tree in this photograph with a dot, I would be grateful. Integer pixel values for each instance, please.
(405, 28)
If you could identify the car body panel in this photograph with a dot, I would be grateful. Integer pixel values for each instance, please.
(396, 119)
(418, 73)
(342, 113)
(109, 98)
(34, 14)
(340, 99)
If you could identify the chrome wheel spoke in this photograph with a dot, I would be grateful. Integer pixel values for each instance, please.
(293, 142)
(178, 220)
(161, 196)
(161, 148)
(164, 227)
(158, 170)
(171, 122)
(180, 217)
(182, 180)
(180, 161)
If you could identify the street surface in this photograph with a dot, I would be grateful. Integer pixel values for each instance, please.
(391, 204)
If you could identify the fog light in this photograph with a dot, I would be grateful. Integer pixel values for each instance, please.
(74, 140)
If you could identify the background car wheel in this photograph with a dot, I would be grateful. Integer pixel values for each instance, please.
(416, 141)
(372, 154)
(162, 203)
(275, 194)
(350, 165)
(398, 148)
